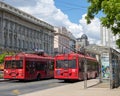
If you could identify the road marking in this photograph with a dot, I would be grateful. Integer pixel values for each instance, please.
(53, 84)
(16, 92)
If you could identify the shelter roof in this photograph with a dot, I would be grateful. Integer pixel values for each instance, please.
(96, 49)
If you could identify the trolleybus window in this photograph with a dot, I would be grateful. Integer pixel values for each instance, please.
(66, 64)
(72, 64)
(17, 64)
(59, 64)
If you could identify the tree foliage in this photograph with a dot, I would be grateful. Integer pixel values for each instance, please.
(2, 56)
(111, 9)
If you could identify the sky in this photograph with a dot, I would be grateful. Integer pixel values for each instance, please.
(67, 13)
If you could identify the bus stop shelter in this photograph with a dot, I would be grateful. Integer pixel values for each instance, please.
(109, 60)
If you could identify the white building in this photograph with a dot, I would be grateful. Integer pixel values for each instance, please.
(64, 41)
(72, 42)
(20, 31)
(108, 39)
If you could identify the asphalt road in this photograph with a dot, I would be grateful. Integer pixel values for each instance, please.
(15, 88)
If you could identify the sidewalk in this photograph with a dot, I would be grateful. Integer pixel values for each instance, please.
(77, 89)
(3, 80)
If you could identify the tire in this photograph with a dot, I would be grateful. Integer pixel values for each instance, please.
(66, 80)
(38, 77)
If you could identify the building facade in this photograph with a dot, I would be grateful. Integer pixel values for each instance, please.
(72, 42)
(64, 41)
(108, 39)
(22, 32)
(81, 42)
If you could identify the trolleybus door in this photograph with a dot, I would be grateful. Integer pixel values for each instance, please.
(48, 70)
(81, 69)
(66, 68)
(30, 70)
(51, 68)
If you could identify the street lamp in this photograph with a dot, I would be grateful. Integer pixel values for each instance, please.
(85, 70)
(83, 51)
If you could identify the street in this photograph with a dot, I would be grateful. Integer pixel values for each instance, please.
(13, 88)
(94, 88)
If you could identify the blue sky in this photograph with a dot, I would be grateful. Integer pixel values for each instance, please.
(73, 8)
(67, 13)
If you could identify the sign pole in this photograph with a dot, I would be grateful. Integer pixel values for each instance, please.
(111, 70)
(85, 71)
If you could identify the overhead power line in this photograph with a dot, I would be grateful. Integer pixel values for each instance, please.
(72, 5)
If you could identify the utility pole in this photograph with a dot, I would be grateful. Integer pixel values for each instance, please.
(85, 71)
(111, 69)
(100, 66)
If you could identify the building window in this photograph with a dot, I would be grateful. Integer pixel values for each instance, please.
(0, 22)
(19, 43)
(6, 24)
(23, 44)
(10, 39)
(24, 31)
(11, 26)
(15, 40)
(19, 29)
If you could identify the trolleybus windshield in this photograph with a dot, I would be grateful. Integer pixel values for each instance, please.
(66, 64)
(13, 64)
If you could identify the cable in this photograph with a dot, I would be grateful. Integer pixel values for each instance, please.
(64, 45)
(72, 4)
(70, 9)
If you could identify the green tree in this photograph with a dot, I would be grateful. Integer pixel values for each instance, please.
(2, 56)
(111, 11)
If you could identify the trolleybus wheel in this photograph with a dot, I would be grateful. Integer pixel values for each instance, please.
(38, 77)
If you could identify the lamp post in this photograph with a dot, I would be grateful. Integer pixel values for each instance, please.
(111, 69)
(85, 70)
(83, 51)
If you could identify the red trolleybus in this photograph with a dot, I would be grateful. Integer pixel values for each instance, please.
(26, 66)
(71, 67)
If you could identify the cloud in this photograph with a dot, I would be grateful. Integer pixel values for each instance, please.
(47, 11)
(93, 29)
(94, 41)
(21, 2)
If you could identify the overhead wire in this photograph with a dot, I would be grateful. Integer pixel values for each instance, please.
(63, 44)
(71, 6)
